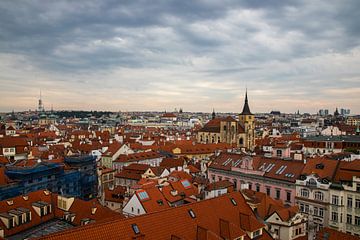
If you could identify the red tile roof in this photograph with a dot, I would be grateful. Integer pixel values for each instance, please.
(138, 156)
(215, 217)
(322, 167)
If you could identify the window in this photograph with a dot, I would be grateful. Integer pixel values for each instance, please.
(288, 196)
(302, 207)
(277, 193)
(334, 200)
(268, 191)
(250, 186)
(224, 128)
(348, 219)
(321, 212)
(357, 203)
(257, 187)
(357, 220)
(28, 217)
(11, 223)
(143, 195)
(358, 187)
(306, 208)
(319, 196)
(316, 211)
(334, 216)
(278, 153)
(191, 213)
(349, 202)
(241, 141)
(256, 233)
(135, 228)
(304, 192)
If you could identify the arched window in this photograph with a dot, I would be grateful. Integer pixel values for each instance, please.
(224, 128)
(241, 141)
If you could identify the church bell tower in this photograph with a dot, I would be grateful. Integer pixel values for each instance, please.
(247, 119)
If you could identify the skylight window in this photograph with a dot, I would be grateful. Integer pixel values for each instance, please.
(191, 213)
(233, 201)
(135, 228)
(186, 183)
(143, 195)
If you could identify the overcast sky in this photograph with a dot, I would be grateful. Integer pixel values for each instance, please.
(198, 55)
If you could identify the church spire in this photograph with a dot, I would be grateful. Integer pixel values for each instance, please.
(213, 114)
(246, 109)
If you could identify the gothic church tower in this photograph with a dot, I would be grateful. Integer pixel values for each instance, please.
(247, 119)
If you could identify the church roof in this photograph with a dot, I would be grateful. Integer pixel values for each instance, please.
(246, 109)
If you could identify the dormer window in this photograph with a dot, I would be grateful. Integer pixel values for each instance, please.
(8, 220)
(42, 208)
(256, 233)
(319, 166)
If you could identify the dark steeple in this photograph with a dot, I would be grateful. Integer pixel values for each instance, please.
(246, 109)
(213, 114)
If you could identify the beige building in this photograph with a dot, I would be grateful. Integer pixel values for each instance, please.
(228, 130)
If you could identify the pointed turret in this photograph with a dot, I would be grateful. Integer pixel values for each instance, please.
(246, 109)
(213, 114)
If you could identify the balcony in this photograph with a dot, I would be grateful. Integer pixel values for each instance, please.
(333, 224)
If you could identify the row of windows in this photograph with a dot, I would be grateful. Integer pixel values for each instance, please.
(20, 219)
(319, 212)
(349, 219)
(317, 195)
(9, 150)
(350, 202)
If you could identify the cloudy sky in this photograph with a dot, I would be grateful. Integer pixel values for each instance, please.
(198, 55)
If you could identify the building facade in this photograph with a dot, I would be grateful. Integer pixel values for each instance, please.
(229, 130)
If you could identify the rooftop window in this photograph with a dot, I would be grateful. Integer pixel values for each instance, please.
(143, 195)
(191, 213)
(186, 183)
(135, 228)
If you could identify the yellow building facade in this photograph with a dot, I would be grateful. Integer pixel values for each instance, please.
(229, 130)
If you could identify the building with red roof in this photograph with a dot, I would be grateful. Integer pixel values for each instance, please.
(225, 217)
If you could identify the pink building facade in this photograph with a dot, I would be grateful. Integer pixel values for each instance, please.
(275, 177)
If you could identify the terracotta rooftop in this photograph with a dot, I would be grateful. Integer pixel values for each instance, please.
(227, 216)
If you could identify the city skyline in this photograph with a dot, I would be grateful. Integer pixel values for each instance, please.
(133, 56)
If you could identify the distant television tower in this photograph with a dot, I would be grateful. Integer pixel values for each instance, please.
(40, 106)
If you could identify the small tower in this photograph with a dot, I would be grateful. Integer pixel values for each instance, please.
(247, 119)
(213, 115)
(40, 105)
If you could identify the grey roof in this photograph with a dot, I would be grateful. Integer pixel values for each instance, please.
(246, 109)
(345, 138)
